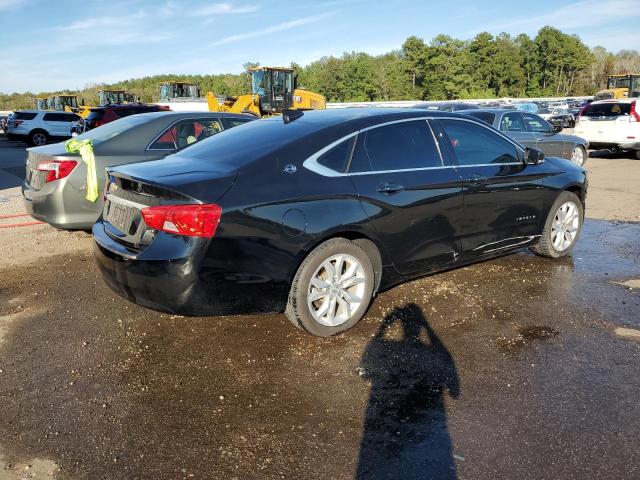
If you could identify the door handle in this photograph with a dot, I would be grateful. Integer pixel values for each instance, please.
(389, 187)
(477, 180)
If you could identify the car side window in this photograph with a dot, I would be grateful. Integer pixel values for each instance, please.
(337, 158)
(512, 122)
(185, 133)
(401, 146)
(537, 124)
(473, 144)
(60, 117)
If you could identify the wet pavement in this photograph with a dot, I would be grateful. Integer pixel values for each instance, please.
(506, 369)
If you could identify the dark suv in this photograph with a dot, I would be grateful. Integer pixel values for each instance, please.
(101, 115)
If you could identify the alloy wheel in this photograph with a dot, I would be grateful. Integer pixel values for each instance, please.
(336, 290)
(39, 139)
(566, 224)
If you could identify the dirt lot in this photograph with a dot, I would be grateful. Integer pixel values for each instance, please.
(515, 368)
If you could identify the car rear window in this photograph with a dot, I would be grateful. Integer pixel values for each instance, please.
(24, 116)
(612, 109)
(95, 115)
(486, 117)
(125, 112)
(112, 129)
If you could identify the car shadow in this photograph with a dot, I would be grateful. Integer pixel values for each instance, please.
(405, 433)
(612, 155)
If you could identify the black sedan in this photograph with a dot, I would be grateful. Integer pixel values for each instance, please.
(314, 213)
(532, 130)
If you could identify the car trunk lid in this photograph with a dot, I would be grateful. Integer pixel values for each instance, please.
(134, 187)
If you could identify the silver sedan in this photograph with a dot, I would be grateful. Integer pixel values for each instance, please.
(55, 187)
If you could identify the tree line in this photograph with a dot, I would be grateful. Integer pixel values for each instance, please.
(552, 63)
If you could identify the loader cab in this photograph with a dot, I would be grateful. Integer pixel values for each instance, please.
(620, 86)
(110, 97)
(172, 90)
(65, 102)
(274, 87)
(41, 103)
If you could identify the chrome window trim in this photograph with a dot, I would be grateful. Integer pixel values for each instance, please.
(311, 163)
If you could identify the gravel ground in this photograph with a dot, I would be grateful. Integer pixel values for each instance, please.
(518, 367)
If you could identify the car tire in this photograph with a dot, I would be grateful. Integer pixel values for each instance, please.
(37, 138)
(339, 301)
(637, 152)
(562, 227)
(579, 155)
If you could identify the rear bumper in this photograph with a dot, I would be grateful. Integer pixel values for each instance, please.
(16, 136)
(178, 275)
(622, 145)
(49, 205)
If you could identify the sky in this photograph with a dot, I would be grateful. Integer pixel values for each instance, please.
(50, 45)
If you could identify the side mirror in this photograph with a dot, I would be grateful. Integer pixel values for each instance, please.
(557, 128)
(533, 156)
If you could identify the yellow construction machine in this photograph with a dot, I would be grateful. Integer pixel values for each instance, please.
(42, 102)
(273, 89)
(620, 86)
(111, 97)
(178, 90)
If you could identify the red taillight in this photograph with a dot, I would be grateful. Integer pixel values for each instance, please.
(580, 113)
(56, 169)
(17, 122)
(635, 117)
(189, 220)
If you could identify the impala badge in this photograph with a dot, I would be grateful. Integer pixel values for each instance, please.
(290, 168)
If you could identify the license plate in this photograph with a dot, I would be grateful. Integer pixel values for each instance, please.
(120, 217)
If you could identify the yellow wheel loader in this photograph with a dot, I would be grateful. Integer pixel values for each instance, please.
(111, 97)
(273, 90)
(41, 103)
(620, 86)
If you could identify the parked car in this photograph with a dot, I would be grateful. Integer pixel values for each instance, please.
(54, 189)
(532, 131)
(315, 215)
(448, 106)
(527, 107)
(565, 119)
(612, 124)
(547, 113)
(102, 115)
(3, 123)
(37, 127)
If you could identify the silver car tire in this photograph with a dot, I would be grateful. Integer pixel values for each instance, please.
(562, 227)
(332, 289)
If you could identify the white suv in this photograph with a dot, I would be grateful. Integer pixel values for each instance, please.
(612, 124)
(37, 127)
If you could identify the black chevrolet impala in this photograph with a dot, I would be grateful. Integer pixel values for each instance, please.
(314, 213)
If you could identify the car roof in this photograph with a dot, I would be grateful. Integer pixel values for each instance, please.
(616, 100)
(182, 114)
(361, 116)
(491, 110)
